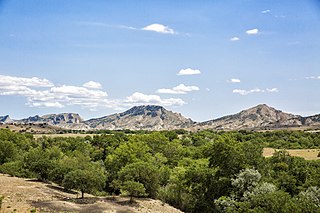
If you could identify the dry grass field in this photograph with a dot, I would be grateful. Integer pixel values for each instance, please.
(308, 154)
(24, 195)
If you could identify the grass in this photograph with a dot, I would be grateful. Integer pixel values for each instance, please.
(307, 154)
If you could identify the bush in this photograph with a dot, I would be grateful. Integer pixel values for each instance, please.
(15, 168)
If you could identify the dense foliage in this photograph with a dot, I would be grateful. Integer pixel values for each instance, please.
(203, 171)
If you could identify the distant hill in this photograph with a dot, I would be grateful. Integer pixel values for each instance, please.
(259, 117)
(152, 117)
(149, 117)
(63, 120)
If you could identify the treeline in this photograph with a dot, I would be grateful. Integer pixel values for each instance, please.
(204, 171)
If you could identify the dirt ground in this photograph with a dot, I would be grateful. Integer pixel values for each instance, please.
(24, 195)
(308, 154)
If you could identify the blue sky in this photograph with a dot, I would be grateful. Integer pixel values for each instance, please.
(204, 59)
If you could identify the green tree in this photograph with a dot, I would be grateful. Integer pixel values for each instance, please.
(143, 172)
(87, 180)
(8, 151)
(133, 189)
(38, 161)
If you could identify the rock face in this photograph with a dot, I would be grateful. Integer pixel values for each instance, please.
(149, 117)
(258, 117)
(69, 118)
(313, 120)
(5, 119)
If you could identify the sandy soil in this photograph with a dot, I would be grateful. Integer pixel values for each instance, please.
(24, 195)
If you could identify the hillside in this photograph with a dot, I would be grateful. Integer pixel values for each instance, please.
(23, 195)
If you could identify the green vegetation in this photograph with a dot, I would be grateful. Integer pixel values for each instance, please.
(1, 199)
(203, 171)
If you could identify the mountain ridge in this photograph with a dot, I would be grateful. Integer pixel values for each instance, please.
(155, 117)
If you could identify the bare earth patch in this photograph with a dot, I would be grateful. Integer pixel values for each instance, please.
(23, 195)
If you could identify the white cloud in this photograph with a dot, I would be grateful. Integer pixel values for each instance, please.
(234, 39)
(180, 89)
(256, 90)
(74, 92)
(20, 81)
(92, 85)
(38, 95)
(46, 104)
(252, 32)
(266, 11)
(234, 80)
(313, 77)
(159, 28)
(272, 90)
(189, 71)
(138, 98)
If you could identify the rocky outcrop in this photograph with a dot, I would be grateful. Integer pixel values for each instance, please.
(63, 120)
(149, 117)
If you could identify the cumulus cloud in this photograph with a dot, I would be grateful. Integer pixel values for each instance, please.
(20, 81)
(256, 90)
(234, 39)
(42, 93)
(92, 85)
(189, 71)
(180, 89)
(140, 98)
(159, 28)
(266, 11)
(234, 80)
(252, 32)
(313, 77)
(46, 104)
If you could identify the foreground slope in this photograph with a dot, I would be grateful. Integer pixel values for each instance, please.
(146, 117)
(22, 195)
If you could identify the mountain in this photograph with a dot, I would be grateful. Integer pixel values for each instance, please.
(5, 119)
(63, 120)
(146, 117)
(259, 117)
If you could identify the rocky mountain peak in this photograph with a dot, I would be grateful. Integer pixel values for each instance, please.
(258, 117)
(5, 119)
(71, 118)
(144, 110)
(148, 117)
